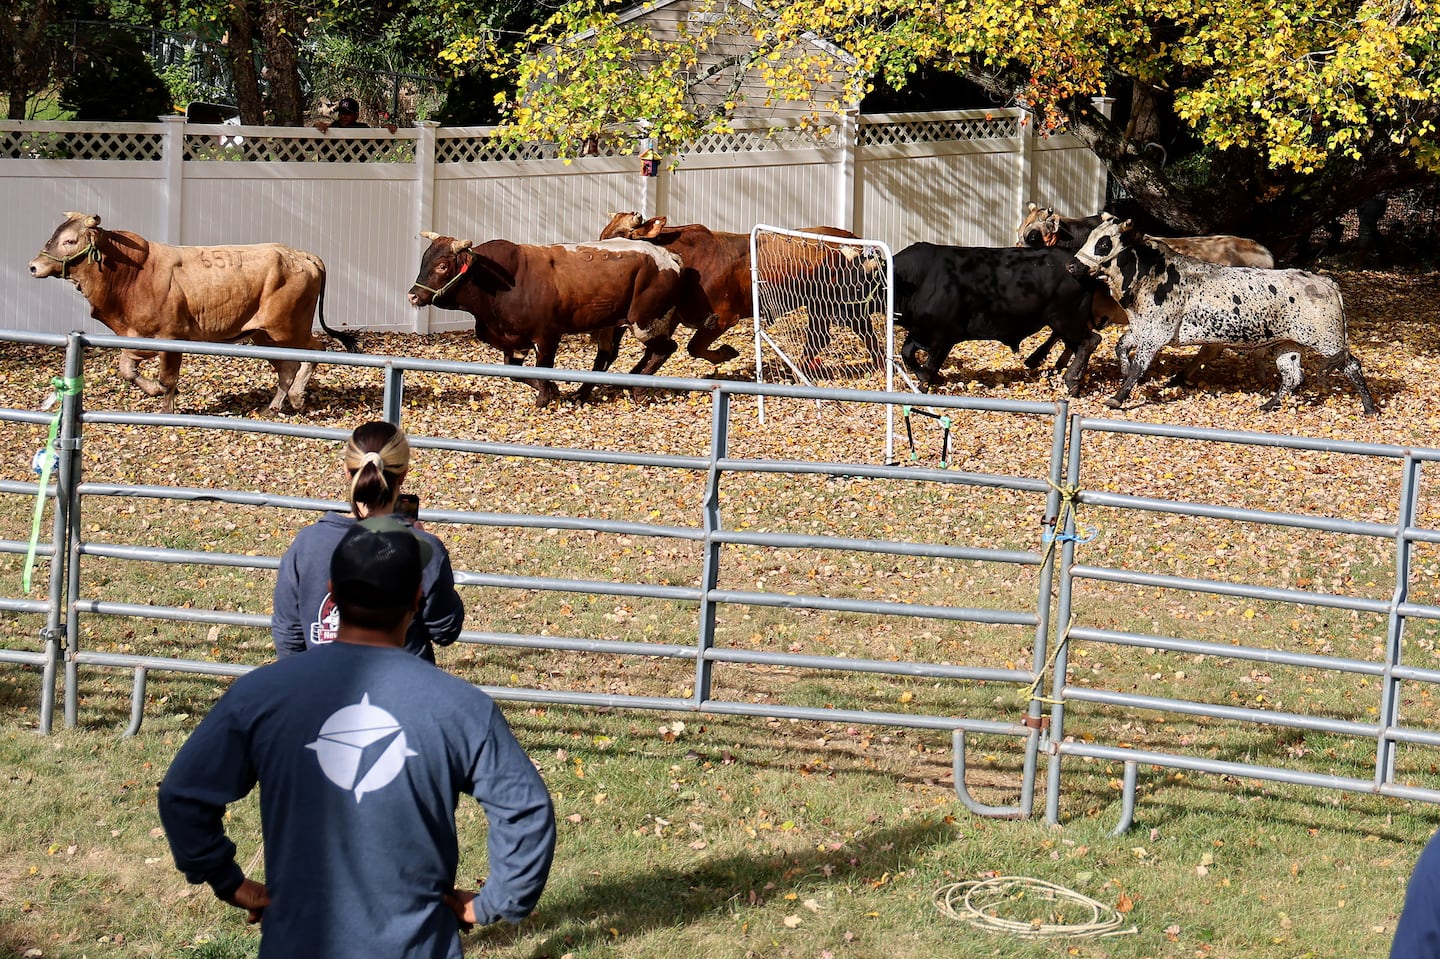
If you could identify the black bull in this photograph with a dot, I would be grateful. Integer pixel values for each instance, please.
(946, 295)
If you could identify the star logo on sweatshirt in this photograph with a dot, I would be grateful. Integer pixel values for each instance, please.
(361, 748)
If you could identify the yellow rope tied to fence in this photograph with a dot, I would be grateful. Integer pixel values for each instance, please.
(1068, 497)
(979, 903)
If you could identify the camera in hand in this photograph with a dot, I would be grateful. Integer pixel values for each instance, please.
(407, 507)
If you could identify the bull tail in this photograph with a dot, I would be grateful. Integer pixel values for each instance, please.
(347, 340)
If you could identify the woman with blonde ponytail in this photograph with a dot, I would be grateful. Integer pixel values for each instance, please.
(376, 460)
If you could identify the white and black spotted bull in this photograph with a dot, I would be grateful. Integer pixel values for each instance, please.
(1174, 299)
(1044, 227)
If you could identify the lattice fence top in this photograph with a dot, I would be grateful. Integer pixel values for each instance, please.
(67, 142)
(986, 126)
(476, 149)
(217, 142)
(761, 140)
(257, 144)
(469, 148)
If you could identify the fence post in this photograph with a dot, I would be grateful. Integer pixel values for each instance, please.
(657, 193)
(1025, 175)
(67, 501)
(1389, 715)
(66, 445)
(425, 200)
(392, 402)
(845, 174)
(1059, 659)
(710, 563)
(1106, 107)
(173, 163)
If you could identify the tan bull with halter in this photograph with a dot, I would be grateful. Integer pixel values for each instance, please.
(264, 292)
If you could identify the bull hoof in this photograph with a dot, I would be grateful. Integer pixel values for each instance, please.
(723, 355)
(1115, 403)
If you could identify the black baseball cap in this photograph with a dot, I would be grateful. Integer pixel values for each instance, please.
(378, 564)
(347, 105)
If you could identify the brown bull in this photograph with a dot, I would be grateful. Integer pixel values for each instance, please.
(1044, 227)
(527, 297)
(715, 281)
(264, 292)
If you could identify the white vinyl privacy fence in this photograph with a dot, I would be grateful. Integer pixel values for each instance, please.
(361, 198)
(1061, 707)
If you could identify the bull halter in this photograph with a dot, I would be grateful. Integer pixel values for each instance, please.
(459, 275)
(90, 250)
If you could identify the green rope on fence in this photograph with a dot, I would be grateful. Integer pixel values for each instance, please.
(45, 464)
(1069, 497)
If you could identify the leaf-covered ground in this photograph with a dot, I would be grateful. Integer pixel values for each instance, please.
(1395, 332)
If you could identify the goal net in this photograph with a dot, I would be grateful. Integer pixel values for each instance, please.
(824, 313)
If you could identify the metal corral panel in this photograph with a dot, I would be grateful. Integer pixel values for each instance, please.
(123, 193)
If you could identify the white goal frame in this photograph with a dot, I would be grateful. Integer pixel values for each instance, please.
(854, 286)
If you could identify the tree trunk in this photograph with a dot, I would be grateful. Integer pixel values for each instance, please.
(1144, 124)
(25, 56)
(241, 45)
(281, 26)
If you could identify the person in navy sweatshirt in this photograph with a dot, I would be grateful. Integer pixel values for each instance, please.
(303, 616)
(361, 752)
(1417, 935)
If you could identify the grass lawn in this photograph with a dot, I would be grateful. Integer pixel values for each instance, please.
(745, 837)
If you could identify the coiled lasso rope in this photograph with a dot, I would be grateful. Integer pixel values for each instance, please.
(977, 902)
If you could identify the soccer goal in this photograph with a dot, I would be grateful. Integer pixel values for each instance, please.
(824, 313)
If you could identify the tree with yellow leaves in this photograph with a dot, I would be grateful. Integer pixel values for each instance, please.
(1265, 117)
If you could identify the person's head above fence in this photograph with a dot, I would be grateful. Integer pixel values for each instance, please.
(376, 457)
(375, 574)
(347, 116)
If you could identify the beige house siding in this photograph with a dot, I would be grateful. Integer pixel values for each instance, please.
(670, 19)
